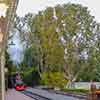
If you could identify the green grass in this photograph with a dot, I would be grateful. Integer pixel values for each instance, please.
(78, 91)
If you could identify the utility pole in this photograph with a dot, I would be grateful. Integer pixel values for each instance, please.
(7, 14)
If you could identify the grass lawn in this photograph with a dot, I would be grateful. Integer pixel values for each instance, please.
(77, 91)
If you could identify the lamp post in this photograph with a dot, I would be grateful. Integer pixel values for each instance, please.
(7, 13)
(3, 25)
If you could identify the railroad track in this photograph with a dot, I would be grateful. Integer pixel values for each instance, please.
(34, 96)
(83, 96)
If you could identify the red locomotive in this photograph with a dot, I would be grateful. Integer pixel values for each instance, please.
(19, 86)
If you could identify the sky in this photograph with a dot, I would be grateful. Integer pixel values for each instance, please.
(16, 51)
(34, 6)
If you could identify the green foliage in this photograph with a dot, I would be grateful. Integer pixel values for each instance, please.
(71, 20)
(9, 64)
(30, 57)
(80, 35)
(54, 79)
(31, 77)
(27, 76)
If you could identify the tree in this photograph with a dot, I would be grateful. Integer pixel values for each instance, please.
(65, 38)
(72, 26)
(9, 64)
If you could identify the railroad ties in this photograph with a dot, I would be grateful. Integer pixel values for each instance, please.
(34, 95)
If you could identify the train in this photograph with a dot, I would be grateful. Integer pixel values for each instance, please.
(15, 81)
(19, 84)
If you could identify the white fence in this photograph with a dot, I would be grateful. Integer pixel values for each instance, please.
(86, 85)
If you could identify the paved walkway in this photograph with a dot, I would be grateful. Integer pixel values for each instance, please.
(15, 95)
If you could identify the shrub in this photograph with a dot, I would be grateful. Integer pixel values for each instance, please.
(31, 77)
(54, 79)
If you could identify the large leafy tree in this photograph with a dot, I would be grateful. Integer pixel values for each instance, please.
(72, 26)
(65, 38)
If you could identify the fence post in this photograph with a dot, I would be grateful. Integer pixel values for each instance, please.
(92, 94)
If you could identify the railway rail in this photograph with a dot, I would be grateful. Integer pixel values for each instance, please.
(34, 96)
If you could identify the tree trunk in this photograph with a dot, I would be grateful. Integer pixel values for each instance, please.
(70, 84)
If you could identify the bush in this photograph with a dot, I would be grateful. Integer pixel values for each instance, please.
(31, 77)
(54, 79)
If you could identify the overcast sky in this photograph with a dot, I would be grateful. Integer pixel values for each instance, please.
(34, 6)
